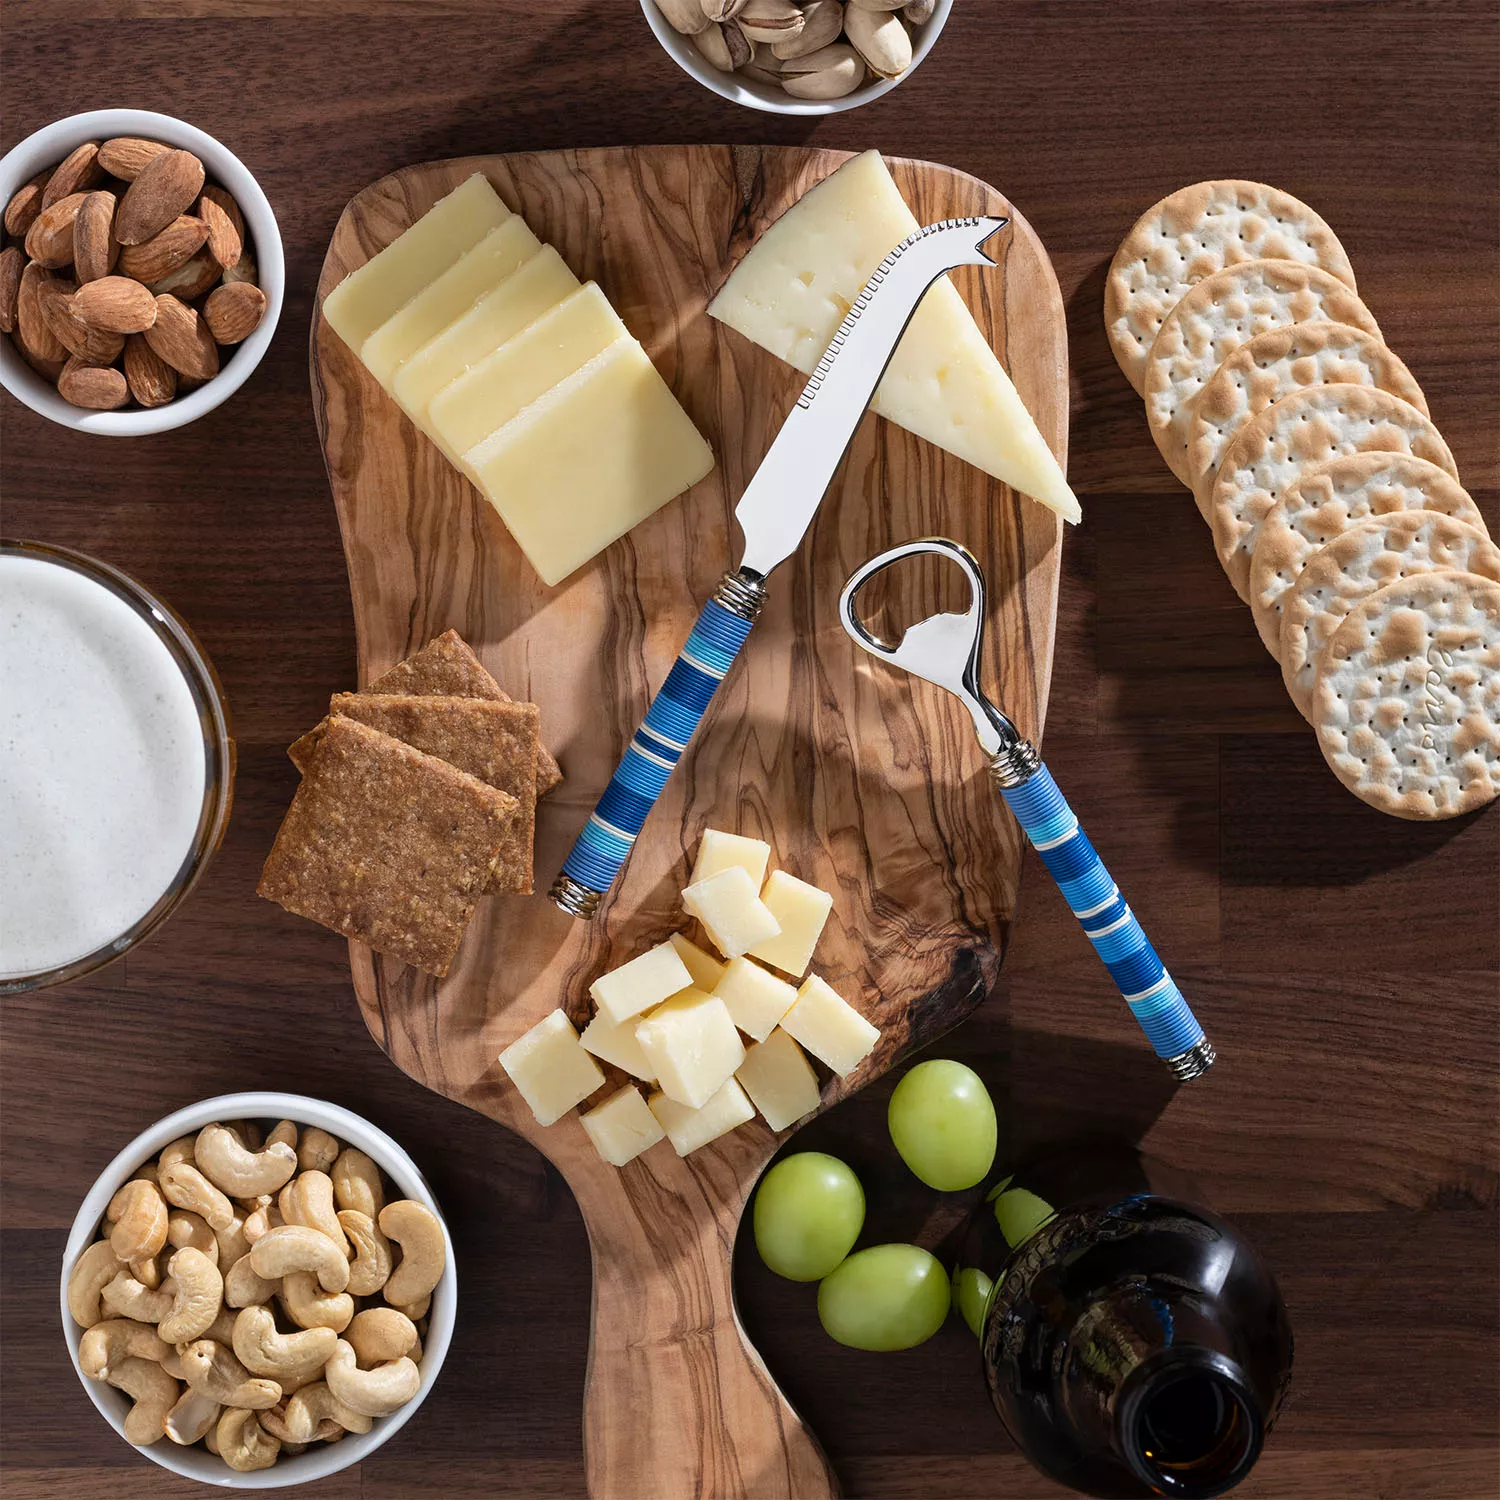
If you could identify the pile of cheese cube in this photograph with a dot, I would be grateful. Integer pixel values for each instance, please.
(673, 1018)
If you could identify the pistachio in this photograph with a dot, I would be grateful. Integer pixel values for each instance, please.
(822, 24)
(919, 12)
(880, 38)
(763, 67)
(770, 20)
(722, 10)
(685, 16)
(724, 47)
(830, 73)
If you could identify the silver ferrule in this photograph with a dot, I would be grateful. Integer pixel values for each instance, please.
(742, 593)
(1015, 762)
(1197, 1060)
(575, 899)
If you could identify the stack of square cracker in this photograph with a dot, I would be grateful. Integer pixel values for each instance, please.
(418, 796)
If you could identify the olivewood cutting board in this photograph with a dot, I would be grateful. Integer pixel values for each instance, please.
(862, 780)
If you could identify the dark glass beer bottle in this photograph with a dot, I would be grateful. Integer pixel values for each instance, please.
(1134, 1344)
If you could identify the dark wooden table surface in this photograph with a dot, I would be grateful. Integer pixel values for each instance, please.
(1346, 963)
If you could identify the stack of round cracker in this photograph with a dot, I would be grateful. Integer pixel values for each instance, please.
(1334, 502)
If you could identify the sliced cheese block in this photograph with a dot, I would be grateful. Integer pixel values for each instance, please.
(829, 1027)
(688, 1129)
(622, 1127)
(365, 298)
(756, 999)
(706, 970)
(647, 980)
(691, 1047)
(540, 283)
(801, 910)
(490, 393)
(474, 273)
(589, 460)
(550, 1068)
(718, 850)
(617, 1044)
(779, 1080)
(944, 383)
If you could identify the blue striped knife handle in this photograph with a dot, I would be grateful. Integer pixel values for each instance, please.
(675, 712)
(1110, 925)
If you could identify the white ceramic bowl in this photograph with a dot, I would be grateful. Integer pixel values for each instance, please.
(773, 101)
(48, 147)
(320, 1459)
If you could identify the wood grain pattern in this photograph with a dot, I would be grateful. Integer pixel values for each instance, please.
(1346, 965)
(902, 829)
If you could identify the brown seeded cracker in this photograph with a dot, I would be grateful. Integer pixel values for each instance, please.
(387, 845)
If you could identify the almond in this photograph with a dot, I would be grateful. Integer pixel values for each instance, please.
(226, 226)
(95, 346)
(167, 186)
(25, 205)
(48, 369)
(233, 312)
(116, 304)
(181, 337)
(37, 337)
(95, 248)
(12, 263)
(95, 386)
(167, 249)
(126, 156)
(49, 241)
(77, 173)
(152, 381)
(190, 280)
(243, 270)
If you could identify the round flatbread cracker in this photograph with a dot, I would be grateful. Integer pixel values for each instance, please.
(1407, 706)
(1360, 561)
(1191, 234)
(1221, 314)
(1308, 427)
(1274, 364)
(1327, 500)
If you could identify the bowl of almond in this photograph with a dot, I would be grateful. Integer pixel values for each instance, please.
(141, 272)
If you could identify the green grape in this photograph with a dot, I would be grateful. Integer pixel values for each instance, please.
(942, 1120)
(1020, 1214)
(886, 1297)
(971, 1296)
(809, 1210)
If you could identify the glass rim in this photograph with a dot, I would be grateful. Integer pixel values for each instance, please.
(212, 708)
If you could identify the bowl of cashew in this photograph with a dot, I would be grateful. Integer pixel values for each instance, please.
(259, 1290)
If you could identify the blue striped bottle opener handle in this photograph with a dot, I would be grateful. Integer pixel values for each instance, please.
(945, 650)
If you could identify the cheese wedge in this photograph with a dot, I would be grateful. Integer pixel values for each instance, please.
(944, 383)
(473, 274)
(562, 340)
(363, 300)
(589, 460)
(540, 283)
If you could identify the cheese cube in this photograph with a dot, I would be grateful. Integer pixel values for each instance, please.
(756, 1000)
(731, 911)
(538, 284)
(688, 1129)
(365, 298)
(622, 1127)
(565, 338)
(645, 981)
(706, 971)
(779, 1080)
(474, 273)
(717, 851)
(550, 1068)
(617, 1044)
(829, 1027)
(691, 1046)
(801, 909)
(588, 461)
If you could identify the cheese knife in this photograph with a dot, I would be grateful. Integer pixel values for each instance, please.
(774, 514)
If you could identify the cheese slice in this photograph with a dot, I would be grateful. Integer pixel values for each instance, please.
(365, 298)
(540, 283)
(473, 274)
(488, 395)
(592, 458)
(944, 383)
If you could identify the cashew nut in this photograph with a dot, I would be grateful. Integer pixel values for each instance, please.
(221, 1330)
(243, 1287)
(244, 1444)
(211, 1437)
(424, 1252)
(179, 1150)
(91, 1273)
(308, 1199)
(373, 1393)
(373, 1259)
(192, 1416)
(263, 1216)
(200, 1295)
(155, 1394)
(125, 1297)
(246, 1132)
(287, 1358)
(309, 1307)
(417, 1310)
(213, 1369)
(187, 1230)
(107, 1343)
(184, 1186)
(140, 1220)
(285, 1133)
(379, 1334)
(317, 1151)
(147, 1269)
(295, 1247)
(172, 1363)
(356, 1182)
(233, 1241)
(237, 1170)
(315, 1404)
